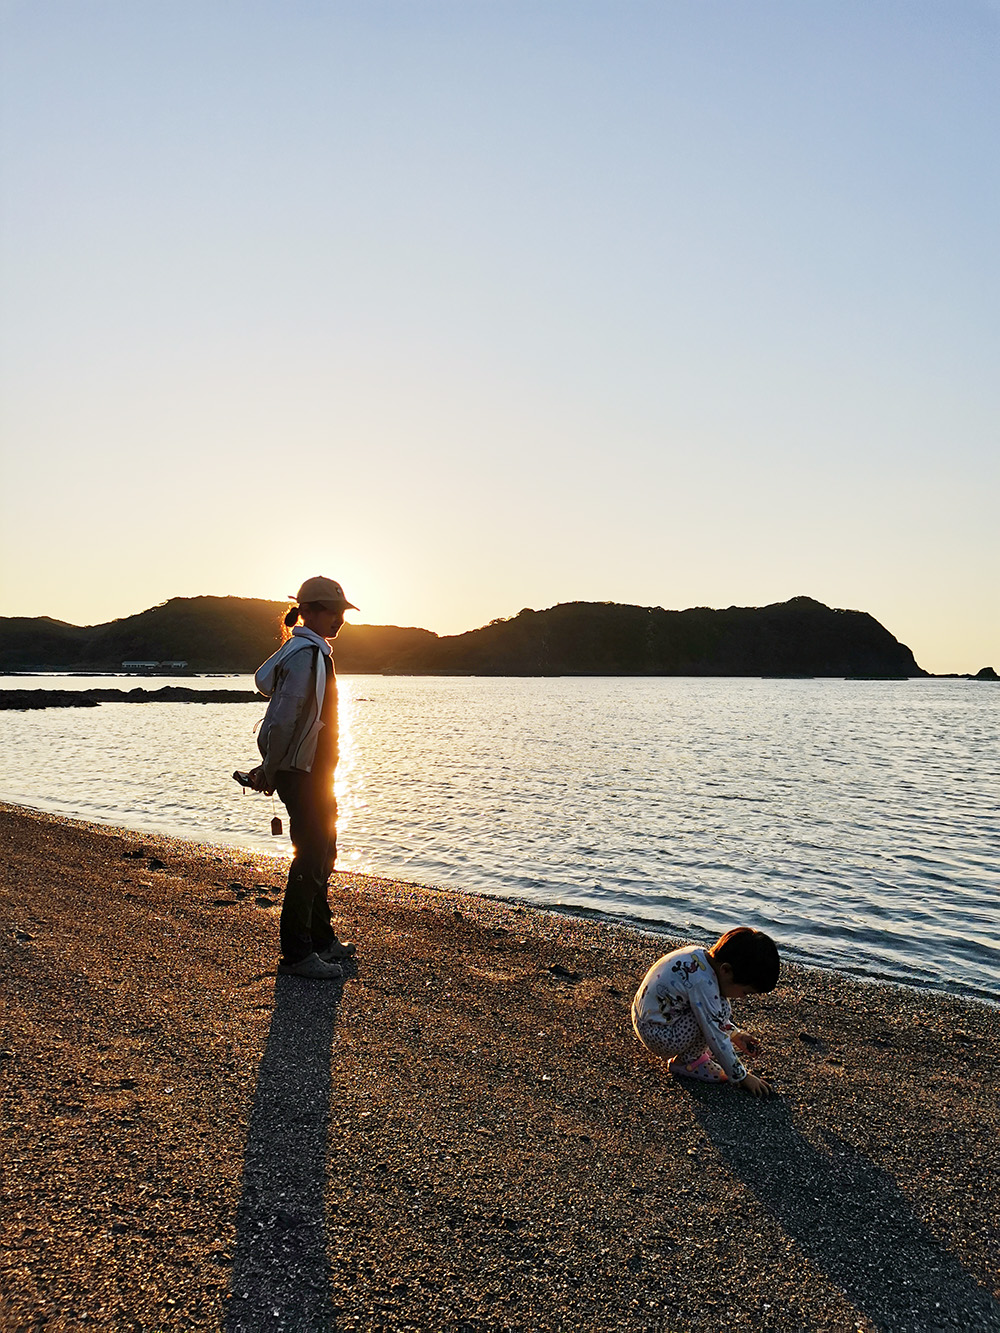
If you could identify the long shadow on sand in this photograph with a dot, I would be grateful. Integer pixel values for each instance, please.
(281, 1271)
(848, 1216)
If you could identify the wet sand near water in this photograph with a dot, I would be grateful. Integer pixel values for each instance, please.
(464, 1134)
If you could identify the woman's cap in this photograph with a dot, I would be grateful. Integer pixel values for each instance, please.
(320, 589)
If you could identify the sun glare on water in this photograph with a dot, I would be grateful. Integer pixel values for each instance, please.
(352, 805)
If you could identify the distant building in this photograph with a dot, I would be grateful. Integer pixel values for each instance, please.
(154, 666)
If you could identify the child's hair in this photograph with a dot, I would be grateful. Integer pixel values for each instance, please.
(752, 955)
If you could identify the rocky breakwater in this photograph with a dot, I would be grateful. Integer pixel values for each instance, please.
(168, 694)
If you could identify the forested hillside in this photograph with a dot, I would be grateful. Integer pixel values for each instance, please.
(798, 637)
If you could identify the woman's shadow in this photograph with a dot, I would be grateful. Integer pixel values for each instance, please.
(281, 1276)
(848, 1216)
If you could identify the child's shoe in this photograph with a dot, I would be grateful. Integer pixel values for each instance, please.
(703, 1068)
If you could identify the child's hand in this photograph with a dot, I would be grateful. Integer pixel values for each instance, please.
(755, 1086)
(745, 1043)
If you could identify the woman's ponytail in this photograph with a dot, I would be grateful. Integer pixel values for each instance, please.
(293, 615)
(289, 619)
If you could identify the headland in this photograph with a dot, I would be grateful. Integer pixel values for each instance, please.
(800, 637)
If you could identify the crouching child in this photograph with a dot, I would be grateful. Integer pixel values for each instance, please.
(682, 1013)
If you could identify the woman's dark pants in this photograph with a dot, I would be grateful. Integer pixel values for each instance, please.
(312, 824)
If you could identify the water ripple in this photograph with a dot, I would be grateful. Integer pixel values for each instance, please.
(856, 821)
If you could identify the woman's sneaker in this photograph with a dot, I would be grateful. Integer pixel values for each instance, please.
(313, 967)
(337, 951)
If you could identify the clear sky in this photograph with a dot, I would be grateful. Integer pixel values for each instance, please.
(485, 304)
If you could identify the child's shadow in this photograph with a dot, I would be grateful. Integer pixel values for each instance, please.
(848, 1216)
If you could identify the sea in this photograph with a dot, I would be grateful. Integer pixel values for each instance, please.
(858, 822)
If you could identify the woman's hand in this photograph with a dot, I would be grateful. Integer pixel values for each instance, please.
(258, 781)
(755, 1086)
(744, 1042)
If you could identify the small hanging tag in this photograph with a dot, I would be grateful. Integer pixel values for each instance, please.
(276, 827)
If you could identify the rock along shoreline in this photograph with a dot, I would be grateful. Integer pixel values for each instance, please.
(465, 1133)
(28, 700)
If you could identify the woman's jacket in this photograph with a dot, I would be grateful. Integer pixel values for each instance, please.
(294, 679)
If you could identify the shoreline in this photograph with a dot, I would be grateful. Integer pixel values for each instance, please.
(647, 926)
(28, 673)
(465, 1133)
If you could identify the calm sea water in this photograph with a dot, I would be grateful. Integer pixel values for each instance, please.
(858, 822)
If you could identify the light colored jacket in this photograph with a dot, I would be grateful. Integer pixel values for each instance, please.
(295, 682)
(682, 984)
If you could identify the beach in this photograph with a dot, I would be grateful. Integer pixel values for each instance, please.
(465, 1133)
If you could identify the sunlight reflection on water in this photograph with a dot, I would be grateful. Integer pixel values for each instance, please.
(857, 821)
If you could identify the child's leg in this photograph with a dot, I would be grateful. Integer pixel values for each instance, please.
(682, 1044)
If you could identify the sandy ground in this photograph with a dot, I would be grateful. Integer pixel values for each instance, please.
(461, 1136)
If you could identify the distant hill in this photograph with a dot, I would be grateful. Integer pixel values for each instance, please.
(801, 637)
(209, 633)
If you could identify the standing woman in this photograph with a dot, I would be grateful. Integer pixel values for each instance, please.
(298, 741)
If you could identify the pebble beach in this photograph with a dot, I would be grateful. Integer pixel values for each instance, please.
(463, 1134)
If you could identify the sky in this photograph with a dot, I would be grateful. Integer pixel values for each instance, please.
(483, 304)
